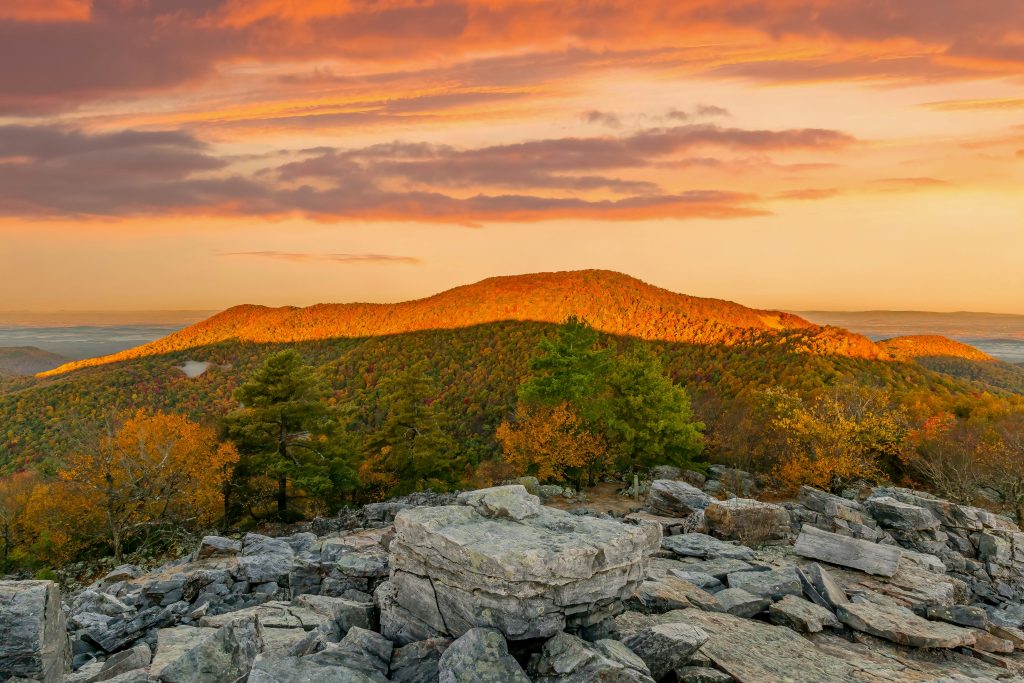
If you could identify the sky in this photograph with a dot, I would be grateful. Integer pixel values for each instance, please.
(792, 154)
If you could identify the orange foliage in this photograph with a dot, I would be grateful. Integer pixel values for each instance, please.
(612, 302)
(375, 476)
(155, 469)
(549, 443)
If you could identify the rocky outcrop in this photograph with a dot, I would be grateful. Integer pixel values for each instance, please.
(749, 521)
(480, 654)
(502, 561)
(33, 633)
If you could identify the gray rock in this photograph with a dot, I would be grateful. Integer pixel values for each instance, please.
(418, 662)
(172, 643)
(801, 615)
(137, 657)
(480, 655)
(663, 647)
(752, 522)
(568, 659)
(306, 670)
(502, 502)
(961, 615)
(819, 586)
(701, 674)
(902, 626)
(33, 636)
(360, 650)
(773, 585)
(740, 603)
(891, 513)
(699, 579)
(671, 498)
(277, 614)
(719, 567)
(705, 547)
(264, 559)
(872, 558)
(454, 569)
(227, 654)
(754, 652)
(217, 546)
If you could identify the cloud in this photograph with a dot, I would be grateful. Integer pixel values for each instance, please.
(809, 194)
(333, 258)
(913, 183)
(51, 171)
(976, 105)
(71, 52)
(602, 118)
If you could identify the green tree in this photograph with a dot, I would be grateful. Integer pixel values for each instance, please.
(649, 419)
(412, 440)
(569, 369)
(284, 428)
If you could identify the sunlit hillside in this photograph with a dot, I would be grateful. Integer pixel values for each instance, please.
(612, 302)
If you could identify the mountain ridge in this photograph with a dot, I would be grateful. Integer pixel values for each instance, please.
(612, 302)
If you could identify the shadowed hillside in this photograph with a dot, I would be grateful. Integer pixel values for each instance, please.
(612, 302)
(27, 360)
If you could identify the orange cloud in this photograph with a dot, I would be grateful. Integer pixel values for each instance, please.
(46, 10)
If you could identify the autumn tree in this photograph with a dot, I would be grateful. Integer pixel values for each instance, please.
(840, 436)
(154, 470)
(649, 420)
(943, 453)
(1001, 461)
(15, 492)
(552, 444)
(284, 428)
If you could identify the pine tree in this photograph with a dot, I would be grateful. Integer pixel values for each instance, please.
(284, 428)
(649, 419)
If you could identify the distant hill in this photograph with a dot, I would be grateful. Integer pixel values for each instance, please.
(27, 360)
(926, 345)
(612, 302)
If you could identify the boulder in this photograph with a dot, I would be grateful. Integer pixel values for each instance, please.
(670, 498)
(873, 558)
(264, 559)
(832, 506)
(752, 522)
(801, 615)
(754, 652)
(418, 662)
(132, 659)
(740, 603)
(705, 547)
(902, 626)
(568, 659)
(961, 615)
(33, 636)
(172, 643)
(226, 654)
(217, 546)
(504, 562)
(819, 586)
(773, 585)
(702, 674)
(480, 654)
(663, 647)
(893, 514)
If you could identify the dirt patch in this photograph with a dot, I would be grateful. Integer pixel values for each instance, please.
(600, 498)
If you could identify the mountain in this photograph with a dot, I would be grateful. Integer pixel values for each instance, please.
(27, 360)
(612, 302)
(941, 354)
(475, 344)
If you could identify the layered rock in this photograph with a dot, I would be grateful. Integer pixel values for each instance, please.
(502, 561)
(33, 633)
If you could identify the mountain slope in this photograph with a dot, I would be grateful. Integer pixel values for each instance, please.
(612, 302)
(941, 354)
(27, 360)
(927, 345)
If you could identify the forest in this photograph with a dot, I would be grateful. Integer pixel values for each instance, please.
(285, 431)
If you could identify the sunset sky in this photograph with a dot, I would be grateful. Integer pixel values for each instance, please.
(795, 154)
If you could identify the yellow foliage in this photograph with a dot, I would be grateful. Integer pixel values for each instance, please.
(550, 442)
(375, 475)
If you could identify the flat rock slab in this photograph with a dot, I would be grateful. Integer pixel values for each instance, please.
(801, 615)
(673, 498)
(273, 615)
(773, 585)
(902, 626)
(755, 652)
(705, 547)
(873, 558)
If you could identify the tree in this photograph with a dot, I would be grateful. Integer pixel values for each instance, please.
(15, 493)
(1001, 461)
(569, 368)
(551, 444)
(943, 451)
(846, 434)
(410, 446)
(284, 426)
(154, 470)
(649, 418)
